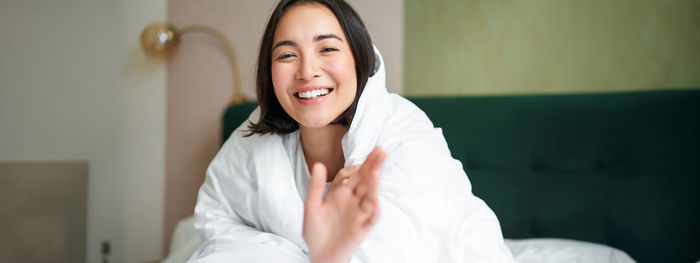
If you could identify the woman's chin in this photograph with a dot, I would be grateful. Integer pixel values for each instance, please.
(315, 124)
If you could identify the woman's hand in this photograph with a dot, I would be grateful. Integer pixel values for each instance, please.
(343, 176)
(335, 226)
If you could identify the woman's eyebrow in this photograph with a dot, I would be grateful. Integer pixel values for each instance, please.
(284, 43)
(316, 39)
(325, 36)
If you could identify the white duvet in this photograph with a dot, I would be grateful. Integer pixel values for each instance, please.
(250, 207)
(535, 250)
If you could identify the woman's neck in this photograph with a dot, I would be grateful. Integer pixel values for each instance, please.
(324, 145)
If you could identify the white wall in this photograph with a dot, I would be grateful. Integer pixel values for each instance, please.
(75, 86)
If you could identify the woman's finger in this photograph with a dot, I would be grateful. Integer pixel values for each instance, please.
(374, 217)
(366, 206)
(370, 173)
(344, 174)
(314, 194)
(363, 213)
(348, 171)
(362, 188)
(374, 162)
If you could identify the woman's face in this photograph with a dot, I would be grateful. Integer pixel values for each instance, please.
(313, 70)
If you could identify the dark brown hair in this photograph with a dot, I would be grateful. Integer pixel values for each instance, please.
(273, 118)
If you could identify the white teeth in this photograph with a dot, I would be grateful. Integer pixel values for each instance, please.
(311, 94)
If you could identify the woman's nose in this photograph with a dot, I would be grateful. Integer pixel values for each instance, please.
(309, 68)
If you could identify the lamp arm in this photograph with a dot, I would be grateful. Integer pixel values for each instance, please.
(238, 96)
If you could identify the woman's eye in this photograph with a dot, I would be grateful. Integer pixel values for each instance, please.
(328, 49)
(284, 56)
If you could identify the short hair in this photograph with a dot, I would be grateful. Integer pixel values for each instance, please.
(273, 118)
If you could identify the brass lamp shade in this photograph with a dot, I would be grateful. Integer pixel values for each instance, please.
(159, 40)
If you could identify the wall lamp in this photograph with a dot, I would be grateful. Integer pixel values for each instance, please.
(160, 40)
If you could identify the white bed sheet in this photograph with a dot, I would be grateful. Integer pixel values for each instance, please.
(551, 250)
(534, 250)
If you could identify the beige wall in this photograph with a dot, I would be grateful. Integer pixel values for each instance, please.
(385, 22)
(550, 46)
(200, 82)
(43, 211)
(75, 86)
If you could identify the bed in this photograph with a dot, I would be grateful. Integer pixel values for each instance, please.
(609, 177)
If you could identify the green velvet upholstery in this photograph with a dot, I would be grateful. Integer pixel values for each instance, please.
(621, 169)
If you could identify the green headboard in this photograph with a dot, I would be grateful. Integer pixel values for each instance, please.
(621, 169)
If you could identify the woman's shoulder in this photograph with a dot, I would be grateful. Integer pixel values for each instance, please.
(404, 117)
(245, 146)
(243, 159)
(408, 128)
(242, 149)
(242, 141)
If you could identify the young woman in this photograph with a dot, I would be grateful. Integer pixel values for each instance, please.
(331, 167)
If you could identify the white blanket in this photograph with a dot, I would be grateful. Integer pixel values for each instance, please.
(250, 207)
(535, 250)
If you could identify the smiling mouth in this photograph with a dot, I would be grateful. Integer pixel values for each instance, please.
(313, 94)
